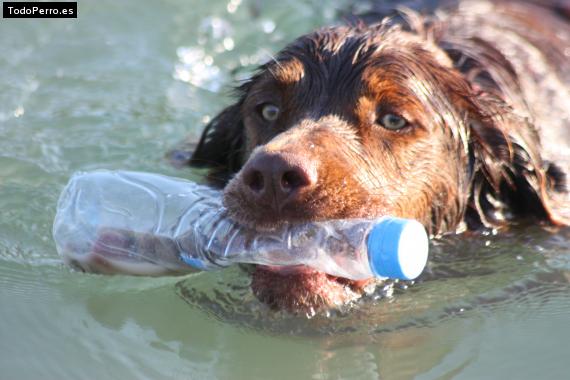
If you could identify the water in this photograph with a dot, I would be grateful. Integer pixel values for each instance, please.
(117, 88)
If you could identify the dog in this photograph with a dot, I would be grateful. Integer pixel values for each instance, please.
(457, 119)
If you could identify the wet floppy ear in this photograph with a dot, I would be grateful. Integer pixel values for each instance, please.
(508, 174)
(219, 148)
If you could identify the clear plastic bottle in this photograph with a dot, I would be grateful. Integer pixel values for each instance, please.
(149, 224)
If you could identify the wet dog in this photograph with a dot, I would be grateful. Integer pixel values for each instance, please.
(455, 120)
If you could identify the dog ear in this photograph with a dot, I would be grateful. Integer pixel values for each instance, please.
(508, 174)
(220, 148)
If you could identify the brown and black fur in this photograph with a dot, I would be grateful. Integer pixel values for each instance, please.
(485, 88)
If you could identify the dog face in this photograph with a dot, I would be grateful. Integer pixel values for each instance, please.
(365, 122)
(347, 124)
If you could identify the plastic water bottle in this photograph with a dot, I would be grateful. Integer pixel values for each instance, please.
(149, 224)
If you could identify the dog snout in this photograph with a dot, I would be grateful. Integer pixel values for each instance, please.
(276, 179)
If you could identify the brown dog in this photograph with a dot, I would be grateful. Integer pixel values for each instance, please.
(439, 119)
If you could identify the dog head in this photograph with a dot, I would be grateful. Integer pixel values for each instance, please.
(369, 121)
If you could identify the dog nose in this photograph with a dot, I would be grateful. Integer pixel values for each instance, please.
(276, 178)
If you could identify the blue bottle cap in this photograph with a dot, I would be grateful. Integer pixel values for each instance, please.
(398, 248)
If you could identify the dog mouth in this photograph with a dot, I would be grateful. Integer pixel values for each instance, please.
(300, 289)
(296, 289)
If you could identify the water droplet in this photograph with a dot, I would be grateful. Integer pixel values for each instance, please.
(228, 43)
(268, 26)
(233, 6)
(19, 111)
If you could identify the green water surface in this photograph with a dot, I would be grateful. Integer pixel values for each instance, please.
(120, 85)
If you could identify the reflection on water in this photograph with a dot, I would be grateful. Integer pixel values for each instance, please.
(472, 282)
(466, 276)
(117, 88)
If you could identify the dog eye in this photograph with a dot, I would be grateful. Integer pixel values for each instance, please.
(269, 112)
(393, 122)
